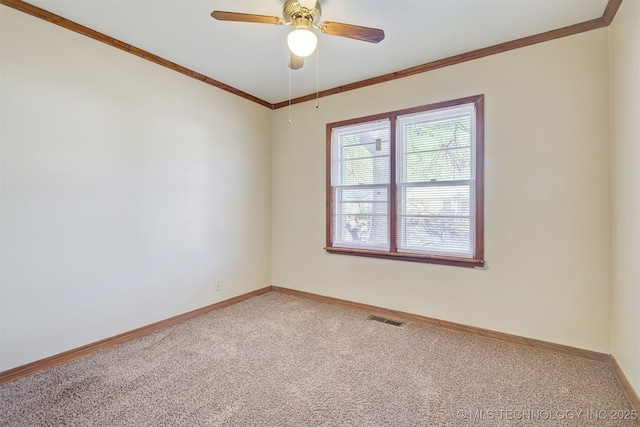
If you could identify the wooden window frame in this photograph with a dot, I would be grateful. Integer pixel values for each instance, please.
(478, 259)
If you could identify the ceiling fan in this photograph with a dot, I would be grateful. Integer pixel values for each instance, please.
(301, 41)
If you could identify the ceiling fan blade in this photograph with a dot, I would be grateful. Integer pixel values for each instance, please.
(371, 35)
(295, 62)
(221, 15)
(317, 10)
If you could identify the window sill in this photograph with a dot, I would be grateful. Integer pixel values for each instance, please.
(431, 259)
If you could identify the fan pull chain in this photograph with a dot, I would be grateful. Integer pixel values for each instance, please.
(289, 95)
(317, 74)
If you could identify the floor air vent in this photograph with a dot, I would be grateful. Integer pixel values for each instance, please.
(384, 320)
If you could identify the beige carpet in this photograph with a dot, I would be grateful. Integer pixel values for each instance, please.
(278, 360)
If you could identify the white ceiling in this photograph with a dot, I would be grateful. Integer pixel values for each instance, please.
(254, 57)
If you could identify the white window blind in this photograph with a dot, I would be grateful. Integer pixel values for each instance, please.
(435, 182)
(408, 184)
(360, 179)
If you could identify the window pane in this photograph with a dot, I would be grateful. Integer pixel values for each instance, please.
(435, 201)
(436, 145)
(360, 154)
(363, 231)
(435, 180)
(432, 131)
(361, 217)
(442, 165)
(368, 170)
(435, 219)
(436, 235)
(366, 132)
(364, 194)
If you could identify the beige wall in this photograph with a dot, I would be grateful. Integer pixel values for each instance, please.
(547, 239)
(625, 178)
(127, 190)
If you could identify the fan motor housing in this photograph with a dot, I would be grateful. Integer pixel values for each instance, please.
(299, 15)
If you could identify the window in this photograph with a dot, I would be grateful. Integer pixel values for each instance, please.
(408, 184)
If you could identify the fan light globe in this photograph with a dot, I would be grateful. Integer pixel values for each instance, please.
(302, 42)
